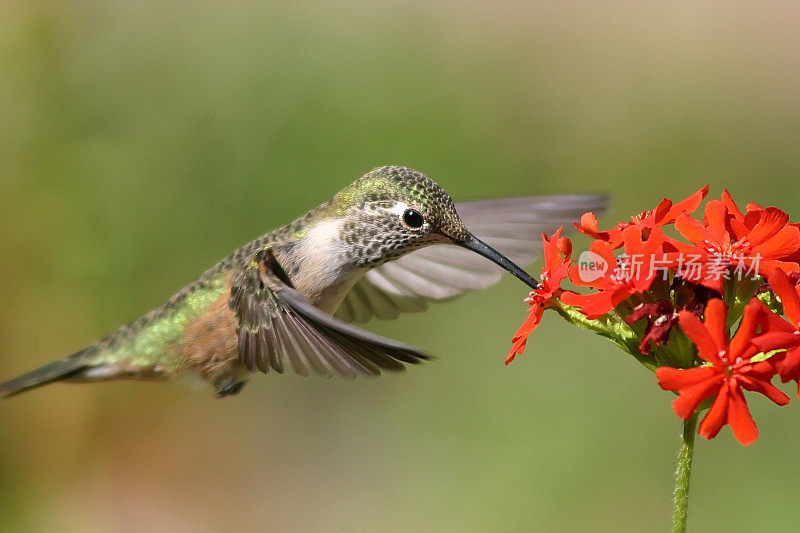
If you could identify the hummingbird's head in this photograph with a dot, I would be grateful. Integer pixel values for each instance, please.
(395, 210)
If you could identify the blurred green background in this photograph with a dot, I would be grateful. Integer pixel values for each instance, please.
(142, 142)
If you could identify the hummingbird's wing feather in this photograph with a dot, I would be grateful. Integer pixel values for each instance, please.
(379, 350)
(367, 299)
(276, 323)
(513, 226)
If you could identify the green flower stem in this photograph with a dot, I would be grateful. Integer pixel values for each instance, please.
(682, 475)
(611, 327)
(737, 295)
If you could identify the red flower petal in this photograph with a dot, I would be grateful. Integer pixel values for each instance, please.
(771, 221)
(697, 332)
(783, 243)
(775, 340)
(733, 209)
(747, 329)
(554, 271)
(692, 229)
(697, 385)
(788, 365)
(787, 292)
(588, 225)
(717, 414)
(739, 417)
(764, 387)
(689, 205)
(661, 211)
(685, 404)
(716, 315)
(716, 218)
(596, 304)
(677, 379)
(767, 266)
(521, 336)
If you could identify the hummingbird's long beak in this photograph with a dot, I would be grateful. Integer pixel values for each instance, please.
(481, 248)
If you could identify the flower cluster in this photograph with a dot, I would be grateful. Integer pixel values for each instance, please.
(711, 304)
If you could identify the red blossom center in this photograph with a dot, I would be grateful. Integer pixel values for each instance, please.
(733, 250)
(538, 297)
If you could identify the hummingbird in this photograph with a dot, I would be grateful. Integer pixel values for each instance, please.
(387, 244)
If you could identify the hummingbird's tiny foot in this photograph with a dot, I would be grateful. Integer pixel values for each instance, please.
(230, 389)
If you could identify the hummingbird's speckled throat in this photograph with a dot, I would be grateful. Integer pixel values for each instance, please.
(389, 243)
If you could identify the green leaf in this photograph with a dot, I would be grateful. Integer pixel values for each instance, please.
(763, 356)
(772, 301)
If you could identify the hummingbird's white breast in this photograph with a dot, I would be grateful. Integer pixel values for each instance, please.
(326, 273)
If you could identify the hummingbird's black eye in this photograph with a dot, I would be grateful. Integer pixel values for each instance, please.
(412, 218)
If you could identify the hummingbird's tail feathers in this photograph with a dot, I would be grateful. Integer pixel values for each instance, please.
(55, 371)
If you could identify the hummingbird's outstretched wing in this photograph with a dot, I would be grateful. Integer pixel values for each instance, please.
(513, 226)
(275, 322)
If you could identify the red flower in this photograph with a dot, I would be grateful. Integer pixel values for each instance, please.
(738, 221)
(754, 243)
(729, 372)
(661, 316)
(741, 223)
(782, 333)
(664, 213)
(633, 275)
(553, 273)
